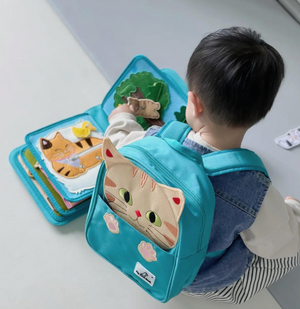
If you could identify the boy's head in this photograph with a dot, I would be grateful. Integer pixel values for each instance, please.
(235, 76)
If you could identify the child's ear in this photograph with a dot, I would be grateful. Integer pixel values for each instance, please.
(110, 154)
(196, 103)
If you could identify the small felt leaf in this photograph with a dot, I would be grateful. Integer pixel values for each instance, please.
(155, 91)
(118, 100)
(180, 116)
(127, 89)
(164, 98)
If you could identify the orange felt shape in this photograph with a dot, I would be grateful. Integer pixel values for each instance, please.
(69, 159)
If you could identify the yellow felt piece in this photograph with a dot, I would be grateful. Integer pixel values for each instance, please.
(153, 209)
(84, 130)
(145, 108)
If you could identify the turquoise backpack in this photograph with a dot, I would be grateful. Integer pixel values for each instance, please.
(164, 159)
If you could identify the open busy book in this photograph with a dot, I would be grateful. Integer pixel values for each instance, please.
(59, 163)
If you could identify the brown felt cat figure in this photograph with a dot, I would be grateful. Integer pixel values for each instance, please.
(59, 152)
(151, 208)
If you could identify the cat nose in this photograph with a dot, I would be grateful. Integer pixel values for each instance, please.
(138, 213)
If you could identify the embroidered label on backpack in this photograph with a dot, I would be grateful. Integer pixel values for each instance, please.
(144, 274)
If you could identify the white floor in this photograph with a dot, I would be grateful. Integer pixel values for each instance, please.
(45, 76)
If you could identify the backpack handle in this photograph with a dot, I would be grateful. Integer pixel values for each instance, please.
(187, 152)
(174, 130)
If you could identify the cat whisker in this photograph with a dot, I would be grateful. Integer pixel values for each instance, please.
(152, 237)
(120, 206)
(123, 206)
(155, 238)
(151, 227)
(165, 243)
(116, 210)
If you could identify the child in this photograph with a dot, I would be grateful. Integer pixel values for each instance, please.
(233, 78)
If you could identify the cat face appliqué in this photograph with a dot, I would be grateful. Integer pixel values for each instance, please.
(151, 208)
(57, 148)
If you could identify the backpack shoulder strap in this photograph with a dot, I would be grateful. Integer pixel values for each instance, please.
(232, 160)
(174, 130)
(219, 162)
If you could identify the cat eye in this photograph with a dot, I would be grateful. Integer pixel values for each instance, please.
(126, 196)
(153, 218)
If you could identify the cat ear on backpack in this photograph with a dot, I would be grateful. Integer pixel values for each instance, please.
(110, 154)
(176, 199)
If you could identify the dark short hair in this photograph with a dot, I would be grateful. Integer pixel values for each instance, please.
(236, 75)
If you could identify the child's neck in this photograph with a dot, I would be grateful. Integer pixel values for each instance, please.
(222, 137)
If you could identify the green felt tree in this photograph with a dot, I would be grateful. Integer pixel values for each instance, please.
(143, 85)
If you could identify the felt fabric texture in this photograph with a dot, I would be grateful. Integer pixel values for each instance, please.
(71, 159)
(144, 107)
(111, 223)
(72, 189)
(59, 199)
(66, 202)
(180, 116)
(151, 208)
(31, 159)
(38, 186)
(84, 130)
(143, 85)
(147, 252)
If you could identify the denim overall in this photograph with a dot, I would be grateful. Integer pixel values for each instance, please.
(239, 196)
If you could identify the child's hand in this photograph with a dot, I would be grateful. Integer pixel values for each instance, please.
(124, 108)
(292, 198)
